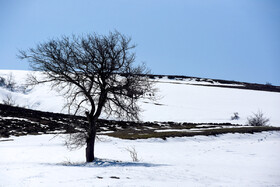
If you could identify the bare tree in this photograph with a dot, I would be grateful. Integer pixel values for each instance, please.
(9, 100)
(96, 74)
(257, 119)
(8, 83)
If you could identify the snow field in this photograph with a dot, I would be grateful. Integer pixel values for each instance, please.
(179, 101)
(198, 104)
(225, 160)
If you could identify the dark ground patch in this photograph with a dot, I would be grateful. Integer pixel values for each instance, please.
(16, 121)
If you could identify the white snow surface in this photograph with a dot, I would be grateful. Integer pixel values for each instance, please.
(224, 160)
(179, 101)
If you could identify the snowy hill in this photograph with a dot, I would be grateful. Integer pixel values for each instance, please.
(181, 99)
(231, 159)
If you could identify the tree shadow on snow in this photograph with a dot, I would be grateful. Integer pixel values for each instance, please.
(108, 163)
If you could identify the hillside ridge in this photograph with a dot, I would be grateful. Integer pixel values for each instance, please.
(221, 82)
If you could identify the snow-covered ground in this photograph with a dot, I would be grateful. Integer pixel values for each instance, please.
(179, 101)
(225, 160)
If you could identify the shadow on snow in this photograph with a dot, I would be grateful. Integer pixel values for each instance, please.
(107, 163)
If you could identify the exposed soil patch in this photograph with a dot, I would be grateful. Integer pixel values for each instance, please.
(16, 121)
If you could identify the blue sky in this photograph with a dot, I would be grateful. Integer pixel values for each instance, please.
(224, 39)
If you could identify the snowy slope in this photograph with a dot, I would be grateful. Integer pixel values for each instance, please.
(191, 103)
(180, 101)
(225, 160)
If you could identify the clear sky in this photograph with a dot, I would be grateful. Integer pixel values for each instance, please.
(224, 39)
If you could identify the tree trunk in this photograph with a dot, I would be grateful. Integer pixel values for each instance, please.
(90, 148)
(91, 141)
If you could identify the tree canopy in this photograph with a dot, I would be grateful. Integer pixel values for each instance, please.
(96, 73)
